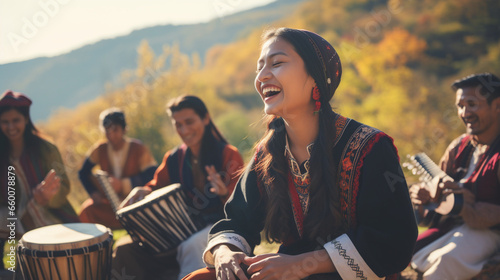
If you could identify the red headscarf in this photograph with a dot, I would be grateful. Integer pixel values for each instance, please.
(14, 99)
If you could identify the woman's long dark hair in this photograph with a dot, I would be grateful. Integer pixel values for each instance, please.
(32, 138)
(324, 219)
(210, 154)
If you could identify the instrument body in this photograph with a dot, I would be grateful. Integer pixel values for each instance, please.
(161, 221)
(431, 174)
(66, 251)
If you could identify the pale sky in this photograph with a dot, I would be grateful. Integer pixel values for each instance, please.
(34, 28)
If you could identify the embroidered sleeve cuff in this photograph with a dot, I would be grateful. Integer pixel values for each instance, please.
(347, 260)
(225, 238)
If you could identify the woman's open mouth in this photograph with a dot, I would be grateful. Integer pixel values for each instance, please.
(270, 91)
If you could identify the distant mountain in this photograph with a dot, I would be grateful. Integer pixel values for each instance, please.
(80, 75)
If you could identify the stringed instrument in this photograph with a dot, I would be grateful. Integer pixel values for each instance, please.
(114, 200)
(431, 174)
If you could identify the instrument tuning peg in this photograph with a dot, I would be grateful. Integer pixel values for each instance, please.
(408, 165)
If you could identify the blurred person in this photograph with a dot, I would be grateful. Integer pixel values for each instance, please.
(127, 161)
(457, 247)
(203, 162)
(32, 172)
(329, 189)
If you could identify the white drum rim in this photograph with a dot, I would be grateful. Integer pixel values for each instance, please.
(157, 194)
(54, 236)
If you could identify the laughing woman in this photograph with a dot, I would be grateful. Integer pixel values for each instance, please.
(326, 187)
(206, 166)
(32, 172)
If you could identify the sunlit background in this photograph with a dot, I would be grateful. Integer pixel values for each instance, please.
(33, 28)
(399, 59)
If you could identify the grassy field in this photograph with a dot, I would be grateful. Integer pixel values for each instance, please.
(6, 251)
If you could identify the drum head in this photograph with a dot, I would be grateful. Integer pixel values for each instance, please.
(150, 197)
(65, 236)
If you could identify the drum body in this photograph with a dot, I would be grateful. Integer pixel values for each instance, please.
(161, 221)
(66, 251)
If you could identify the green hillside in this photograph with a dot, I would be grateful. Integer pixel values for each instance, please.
(81, 75)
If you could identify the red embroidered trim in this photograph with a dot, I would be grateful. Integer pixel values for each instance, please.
(349, 170)
(298, 215)
(340, 124)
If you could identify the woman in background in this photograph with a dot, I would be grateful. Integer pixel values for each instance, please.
(206, 166)
(36, 168)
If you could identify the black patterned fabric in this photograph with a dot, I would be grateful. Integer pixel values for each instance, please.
(382, 226)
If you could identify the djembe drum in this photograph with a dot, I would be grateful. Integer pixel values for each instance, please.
(161, 221)
(66, 251)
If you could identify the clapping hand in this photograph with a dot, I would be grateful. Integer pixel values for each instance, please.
(218, 186)
(48, 188)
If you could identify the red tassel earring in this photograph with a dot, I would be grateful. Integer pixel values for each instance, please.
(317, 105)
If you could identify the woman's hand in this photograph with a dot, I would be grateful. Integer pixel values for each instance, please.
(48, 188)
(281, 266)
(137, 193)
(218, 186)
(228, 263)
(275, 266)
